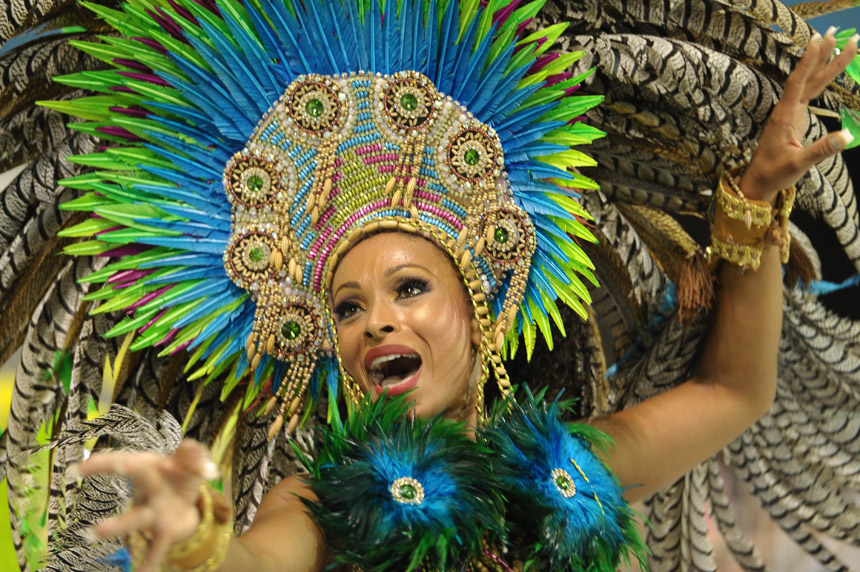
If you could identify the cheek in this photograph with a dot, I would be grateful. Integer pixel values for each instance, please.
(446, 330)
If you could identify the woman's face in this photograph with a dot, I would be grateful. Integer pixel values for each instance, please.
(404, 322)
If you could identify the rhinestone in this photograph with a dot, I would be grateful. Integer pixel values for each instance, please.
(409, 101)
(471, 157)
(291, 329)
(501, 235)
(254, 183)
(314, 107)
(407, 491)
(256, 254)
(564, 483)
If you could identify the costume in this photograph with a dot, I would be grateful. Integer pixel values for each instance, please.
(423, 116)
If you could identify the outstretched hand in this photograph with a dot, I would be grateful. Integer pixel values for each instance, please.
(780, 158)
(165, 491)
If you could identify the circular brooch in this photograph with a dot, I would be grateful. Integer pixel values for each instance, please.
(409, 101)
(509, 237)
(564, 483)
(252, 181)
(407, 490)
(247, 258)
(474, 154)
(316, 106)
(298, 326)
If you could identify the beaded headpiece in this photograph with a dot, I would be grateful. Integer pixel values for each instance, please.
(424, 117)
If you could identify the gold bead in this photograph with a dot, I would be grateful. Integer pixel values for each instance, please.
(276, 426)
(277, 260)
(479, 246)
(270, 405)
(294, 422)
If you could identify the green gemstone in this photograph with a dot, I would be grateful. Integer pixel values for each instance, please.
(291, 330)
(501, 235)
(409, 101)
(314, 107)
(256, 254)
(408, 491)
(471, 157)
(255, 183)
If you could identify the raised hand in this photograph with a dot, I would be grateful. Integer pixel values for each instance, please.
(780, 158)
(165, 491)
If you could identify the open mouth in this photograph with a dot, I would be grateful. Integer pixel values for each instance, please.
(391, 369)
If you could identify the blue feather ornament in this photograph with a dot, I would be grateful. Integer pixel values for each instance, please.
(398, 493)
(566, 510)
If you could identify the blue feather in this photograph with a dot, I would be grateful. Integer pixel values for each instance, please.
(320, 34)
(210, 305)
(186, 259)
(461, 61)
(284, 24)
(272, 47)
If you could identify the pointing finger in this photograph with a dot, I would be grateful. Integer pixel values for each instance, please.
(141, 468)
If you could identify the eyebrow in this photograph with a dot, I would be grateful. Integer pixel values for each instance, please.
(389, 272)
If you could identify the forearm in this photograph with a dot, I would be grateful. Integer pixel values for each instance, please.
(741, 349)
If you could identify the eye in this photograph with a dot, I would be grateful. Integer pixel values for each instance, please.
(411, 287)
(346, 309)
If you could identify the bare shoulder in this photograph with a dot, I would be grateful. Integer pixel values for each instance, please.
(282, 515)
(287, 494)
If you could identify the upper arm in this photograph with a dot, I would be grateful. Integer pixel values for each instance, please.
(283, 534)
(662, 438)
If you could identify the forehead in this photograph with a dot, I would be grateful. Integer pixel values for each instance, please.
(381, 252)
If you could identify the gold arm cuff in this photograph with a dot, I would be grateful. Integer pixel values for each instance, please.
(736, 206)
(740, 227)
(743, 255)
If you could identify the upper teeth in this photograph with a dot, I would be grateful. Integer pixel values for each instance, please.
(377, 363)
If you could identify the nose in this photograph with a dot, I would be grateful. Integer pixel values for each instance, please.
(381, 319)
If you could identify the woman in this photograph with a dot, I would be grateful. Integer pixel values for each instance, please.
(299, 243)
(403, 324)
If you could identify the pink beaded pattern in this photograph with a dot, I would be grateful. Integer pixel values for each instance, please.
(339, 157)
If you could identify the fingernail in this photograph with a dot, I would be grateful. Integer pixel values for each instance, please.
(73, 471)
(816, 37)
(210, 471)
(830, 31)
(842, 139)
(854, 39)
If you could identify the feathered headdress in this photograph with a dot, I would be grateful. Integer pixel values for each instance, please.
(424, 117)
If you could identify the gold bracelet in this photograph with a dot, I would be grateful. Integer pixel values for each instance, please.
(736, 206)
(203, 533)
(740, 227)
(203, 551)
(206, 549)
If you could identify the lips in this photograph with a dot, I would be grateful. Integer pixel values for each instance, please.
(393, 369)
